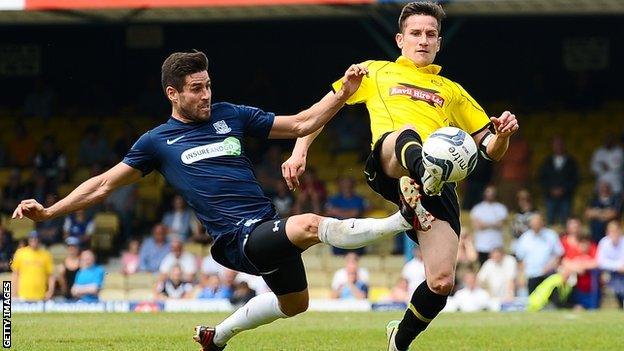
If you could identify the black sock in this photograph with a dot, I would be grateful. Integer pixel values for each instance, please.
(408, 150)
(424, 306)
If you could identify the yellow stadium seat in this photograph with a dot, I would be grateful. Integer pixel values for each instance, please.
(141, 280)
(106, 228)
(112, 294)
(371, 262)
(115, 280)
(319, 279)
(378, 293)
(5, 174)
(20, 227)
(393, 263)
(140, 294)
(58, 252)
(320, 293)
(195, 248)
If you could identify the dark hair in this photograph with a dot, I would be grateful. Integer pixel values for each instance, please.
(180, 64)
(427, 8)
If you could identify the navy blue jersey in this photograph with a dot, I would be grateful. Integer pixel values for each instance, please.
(206, 164)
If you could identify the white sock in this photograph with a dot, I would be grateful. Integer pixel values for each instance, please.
(354, 233)
(262, 309)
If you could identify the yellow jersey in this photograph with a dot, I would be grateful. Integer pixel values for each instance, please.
(399, 93)
(34, 268)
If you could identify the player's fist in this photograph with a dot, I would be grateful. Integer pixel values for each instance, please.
(292, 169)
(506, 124)
(353, 78)
(32, 209)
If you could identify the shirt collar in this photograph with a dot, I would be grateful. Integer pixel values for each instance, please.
(430, 69)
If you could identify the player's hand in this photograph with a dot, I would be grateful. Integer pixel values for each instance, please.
(505, 125)
(292, 169)
(32, 209)
(353, 78)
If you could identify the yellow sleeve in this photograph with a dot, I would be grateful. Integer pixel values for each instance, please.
(466, 113)
(17, 260)
(364, 91)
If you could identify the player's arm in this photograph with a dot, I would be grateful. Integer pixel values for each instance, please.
(494, 145)
(313, 118)
(90, 192)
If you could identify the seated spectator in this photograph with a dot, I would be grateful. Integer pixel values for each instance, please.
(130, 260)
(211, 288)
(608, 164)
(13, 193)
(282, 199)
(414, 271)
(524, 211)
(610, 257)
(80, 226)
(498, 275)
(89, 279)
(69, 268)
(154, 249)
(51, 162)
(353, 288)
(242, 294)
(558, 178)
(570, 238)
(400, 291)
(538, 251)
(174, 287)
(50, 230)
(352, 261)
(33, 271)
(6, 250)
(93, 148)
(178, 257)
(487, 218)
(580, 258)
(180, 220)
(345, 204)
(471, 298)
(603, 208)
(311, 195)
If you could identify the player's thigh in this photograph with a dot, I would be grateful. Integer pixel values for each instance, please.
(439, 251)
(389, 162)
(302, 230)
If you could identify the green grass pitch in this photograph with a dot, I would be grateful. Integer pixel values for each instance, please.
(567, 330)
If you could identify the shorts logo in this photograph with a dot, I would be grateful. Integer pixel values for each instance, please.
(429, 96)
(276, 228)
(221, 127)
(230, 146)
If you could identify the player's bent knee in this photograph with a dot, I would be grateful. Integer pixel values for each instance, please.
(442, 284)
(293, 307)
(305, 226)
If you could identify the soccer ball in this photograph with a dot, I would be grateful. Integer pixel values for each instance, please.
(449, 154)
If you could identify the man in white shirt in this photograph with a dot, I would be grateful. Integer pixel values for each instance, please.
(498, 275)
(178, 257)
(610, 257)
(352, 262)
(414, 271)
(487, 218)
(471, 298)
(607, 164)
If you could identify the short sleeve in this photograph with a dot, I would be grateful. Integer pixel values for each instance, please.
(142, 155)
(257, 122)
(466, 113)
(17, 260)
(364, 91)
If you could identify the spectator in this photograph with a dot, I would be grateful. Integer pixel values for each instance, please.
(79, 226)
(22, 147)
(69, 268)
(610, 257)
(487, 218)
(178, 257)
(211, 288)
(174, 287)
(242, 294)
(514, 168)
(603, 208)
(352, 263)
(6, 250)
(89, 279)
(476, 183)
(51, 162)
(414, 271)
(607, 164)
(538, 251)
(345, 204)
(558, 177)
(467, 256)
(570, 238)
(400, 291)
(524, 211)
(12, 193)
(282, 199)
(50, 230)
(498, 275)
(580, 258)
(154, 249)
(33, 278)
(130, 259)
(93, 148)
(181, 219)
(312, 194)
(471, 298)
(210, 266)
(353, 288)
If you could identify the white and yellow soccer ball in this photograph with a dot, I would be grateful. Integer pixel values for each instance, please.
(450, 154)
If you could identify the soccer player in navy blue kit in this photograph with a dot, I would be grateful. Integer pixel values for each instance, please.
(199, 152)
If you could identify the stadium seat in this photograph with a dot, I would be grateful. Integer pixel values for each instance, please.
(106, 228)
(5, 174)
(20, 227)
(378, 279)
(393, 263)
(319, 279)
(58, 252)
(320, 293)
(142, 280)
(112, 294)
(378, 293)
(371, 262)
(140, 294)
(195, 248)
(312, 262)
(115, 280)
(6, 276)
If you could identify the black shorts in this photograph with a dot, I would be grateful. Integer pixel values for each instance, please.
(264, 249)
(444, 207)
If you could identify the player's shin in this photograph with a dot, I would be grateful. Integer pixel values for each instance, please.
(354, 233)
(408, 150)
(422, 309)
(260, 310)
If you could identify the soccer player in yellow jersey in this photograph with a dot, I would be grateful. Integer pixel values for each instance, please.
(407, 100)
(32, 271)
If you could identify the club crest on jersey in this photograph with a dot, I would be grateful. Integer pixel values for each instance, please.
(221, 127)
(429, 96)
